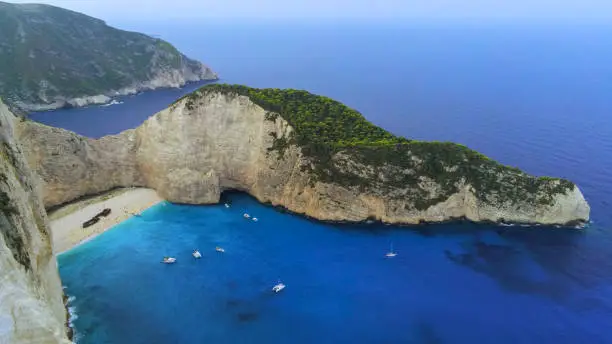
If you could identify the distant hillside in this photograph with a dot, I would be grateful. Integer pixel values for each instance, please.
(51, 57)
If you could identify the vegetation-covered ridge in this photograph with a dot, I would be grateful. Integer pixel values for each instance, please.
(47, 52)
(342, 147)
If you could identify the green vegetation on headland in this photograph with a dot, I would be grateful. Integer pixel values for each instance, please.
(48, 52)
(343, 148)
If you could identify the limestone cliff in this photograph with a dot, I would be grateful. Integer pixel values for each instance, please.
(31, 306)
(227, 137)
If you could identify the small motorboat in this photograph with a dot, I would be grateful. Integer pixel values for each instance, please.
(246, 216)
(280, 286)
(219, 249)
(197, 254)
(227, 205)
(255, 219)
(169, 260)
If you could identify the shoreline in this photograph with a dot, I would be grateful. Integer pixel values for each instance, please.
(101, 99)
(422, 224)
(67, 221)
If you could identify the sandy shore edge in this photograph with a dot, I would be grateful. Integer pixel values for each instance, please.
(67, 229)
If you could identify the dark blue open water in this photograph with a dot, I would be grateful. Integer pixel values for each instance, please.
(534, 97)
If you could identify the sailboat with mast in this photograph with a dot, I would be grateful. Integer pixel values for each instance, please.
(391, 253)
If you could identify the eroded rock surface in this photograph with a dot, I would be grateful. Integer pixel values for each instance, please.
(31, 306)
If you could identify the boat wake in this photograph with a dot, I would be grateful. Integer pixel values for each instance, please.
(113, 102)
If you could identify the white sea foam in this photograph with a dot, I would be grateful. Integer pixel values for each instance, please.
(113, 102)
(72, 317)
(584, 225)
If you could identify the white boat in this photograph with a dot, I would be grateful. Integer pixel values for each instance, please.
(219, 249)
(246, 216)
(197, 254)
(391, 253)
(169, 260)
(280, 286)
(255, 219)
(227, 205)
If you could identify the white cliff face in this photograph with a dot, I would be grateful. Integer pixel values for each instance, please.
(70, 166)
(31, 306)
(210, 153)
(190, 153)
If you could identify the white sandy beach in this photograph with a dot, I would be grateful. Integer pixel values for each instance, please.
(67, 222)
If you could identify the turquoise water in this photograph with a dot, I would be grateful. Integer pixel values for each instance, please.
(535, 97)
(445, 280)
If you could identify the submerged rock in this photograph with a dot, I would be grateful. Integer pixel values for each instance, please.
(306, 153)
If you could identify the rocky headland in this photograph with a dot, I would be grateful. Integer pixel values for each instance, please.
(306, 153)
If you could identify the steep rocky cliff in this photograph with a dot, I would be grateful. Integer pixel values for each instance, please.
(51, 57)
(31, 306)
(307, 153)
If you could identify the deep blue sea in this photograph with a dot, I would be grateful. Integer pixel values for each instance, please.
(536, 97)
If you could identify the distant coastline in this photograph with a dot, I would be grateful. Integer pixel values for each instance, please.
(103, 99)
